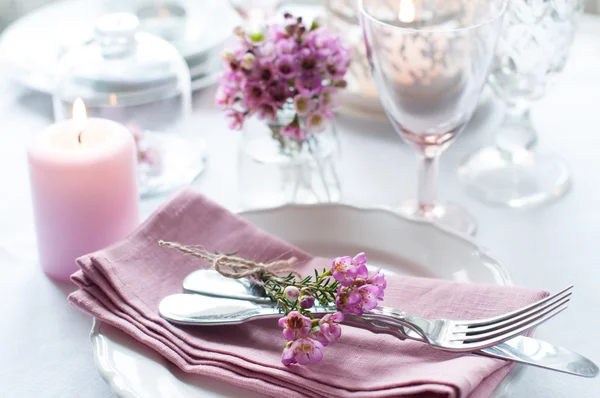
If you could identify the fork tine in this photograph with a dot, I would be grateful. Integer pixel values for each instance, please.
(510, 327)
(496, 325)
(482, 322)
(507, 336)
(499, 331)
(507, 329)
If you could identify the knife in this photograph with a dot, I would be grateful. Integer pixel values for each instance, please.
(194, 309)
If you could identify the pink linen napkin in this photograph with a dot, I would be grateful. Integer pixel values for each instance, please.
(123, 284)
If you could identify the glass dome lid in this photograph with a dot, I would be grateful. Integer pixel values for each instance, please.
(141, 81)
(121, 65)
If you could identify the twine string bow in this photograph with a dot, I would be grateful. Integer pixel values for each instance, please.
(232, 266)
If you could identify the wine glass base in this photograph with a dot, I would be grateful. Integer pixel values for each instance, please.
(177, 164)
(447, 215)
(518, 179)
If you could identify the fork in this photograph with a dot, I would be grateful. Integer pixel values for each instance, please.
(444, 334)
(473, 335)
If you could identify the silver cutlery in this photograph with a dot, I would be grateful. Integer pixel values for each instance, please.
(445, 334)
(520, 349)
(193, 309)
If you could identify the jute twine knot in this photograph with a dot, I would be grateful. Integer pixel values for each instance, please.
(232, 266)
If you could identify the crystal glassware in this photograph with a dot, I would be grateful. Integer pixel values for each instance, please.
(142, 82)
(430, 60)
(532, 51)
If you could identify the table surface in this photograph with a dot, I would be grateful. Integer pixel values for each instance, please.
(45, 350)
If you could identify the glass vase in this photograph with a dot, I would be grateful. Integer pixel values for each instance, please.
(275, 170)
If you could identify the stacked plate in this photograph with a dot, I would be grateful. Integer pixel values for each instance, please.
(31, 47)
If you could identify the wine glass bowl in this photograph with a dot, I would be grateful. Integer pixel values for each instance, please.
(429, 62)
(531, 52)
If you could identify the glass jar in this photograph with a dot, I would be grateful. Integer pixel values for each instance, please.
(142, 82)
(274, 170)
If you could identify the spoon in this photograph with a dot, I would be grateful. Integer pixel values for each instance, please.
(209, 282)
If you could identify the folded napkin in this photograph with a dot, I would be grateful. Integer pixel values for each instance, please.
(123, 285)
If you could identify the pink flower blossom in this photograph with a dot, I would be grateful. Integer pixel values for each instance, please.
(236, 119)
(357, 299)
(286, 66)
(346, 269)
(254, 95)
(286, 46)
(308, 60)
(295, 325)
(266, 52)
(304, 104)
(378, 280)
(337, 65)
(248, 61)
(329, 329)
(328, 98)
(319, 38)
(302, 351)
(316, 334)
(267, 111)
(316, 123)
(225, 96)
(278, 93)
(309, 83)
(265, 72)
(277, 32)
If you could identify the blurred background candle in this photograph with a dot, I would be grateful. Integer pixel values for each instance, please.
(83, 180)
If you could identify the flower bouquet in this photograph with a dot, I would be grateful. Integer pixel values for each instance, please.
(347, 283)
(287, 76)
(287, 68)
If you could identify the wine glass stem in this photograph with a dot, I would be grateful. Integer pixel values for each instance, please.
(428, 172)
(516, 134)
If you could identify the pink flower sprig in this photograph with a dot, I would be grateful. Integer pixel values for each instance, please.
(347, 284)
(289, 65)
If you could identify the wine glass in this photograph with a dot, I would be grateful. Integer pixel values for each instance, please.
(430, 60)
(532, 50)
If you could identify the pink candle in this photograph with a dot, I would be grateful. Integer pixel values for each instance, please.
(83, 181)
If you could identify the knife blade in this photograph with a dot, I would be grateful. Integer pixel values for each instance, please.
(194, 309)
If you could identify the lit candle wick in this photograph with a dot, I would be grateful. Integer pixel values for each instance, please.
(79, 116)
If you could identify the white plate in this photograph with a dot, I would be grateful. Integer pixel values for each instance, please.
(31, 47)
(392, 242)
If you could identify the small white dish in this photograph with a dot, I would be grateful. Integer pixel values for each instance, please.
(31, 47)
(392, 242)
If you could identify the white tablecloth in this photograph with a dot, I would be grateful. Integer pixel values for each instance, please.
(44, 346)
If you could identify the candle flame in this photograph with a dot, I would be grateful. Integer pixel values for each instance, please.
(407, 11)
(79, 113)
(79, 116)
